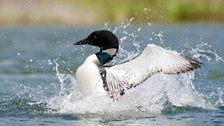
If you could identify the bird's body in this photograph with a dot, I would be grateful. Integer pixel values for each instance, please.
(88, 77)
(94, 78)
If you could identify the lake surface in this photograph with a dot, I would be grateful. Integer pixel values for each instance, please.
(38, 86)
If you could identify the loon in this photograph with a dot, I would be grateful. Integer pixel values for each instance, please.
(95, 78)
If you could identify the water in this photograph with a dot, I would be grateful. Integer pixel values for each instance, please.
(38, 86)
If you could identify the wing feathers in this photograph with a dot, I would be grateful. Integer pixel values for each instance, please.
(152, 60)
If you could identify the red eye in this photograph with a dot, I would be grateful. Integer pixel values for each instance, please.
(94, 37)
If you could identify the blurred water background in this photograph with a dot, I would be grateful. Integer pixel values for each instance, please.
(38, 62)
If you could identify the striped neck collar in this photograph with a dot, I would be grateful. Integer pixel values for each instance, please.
(105, 56)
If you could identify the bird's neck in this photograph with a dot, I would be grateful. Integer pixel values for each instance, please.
(105, 56)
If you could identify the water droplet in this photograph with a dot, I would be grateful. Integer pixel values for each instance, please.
(131, 19)
(139, 29)
(145, 9)
(149, 24)
(49, 62)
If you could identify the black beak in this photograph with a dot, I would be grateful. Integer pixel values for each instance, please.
(82, 42)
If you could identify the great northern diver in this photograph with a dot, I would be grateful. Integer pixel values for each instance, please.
(94, 78)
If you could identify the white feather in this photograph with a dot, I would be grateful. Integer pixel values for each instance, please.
(88, 77)
(152, 60)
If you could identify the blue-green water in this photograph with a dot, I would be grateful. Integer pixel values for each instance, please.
(38, 87)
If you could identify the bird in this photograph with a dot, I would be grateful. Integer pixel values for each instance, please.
(94, 77)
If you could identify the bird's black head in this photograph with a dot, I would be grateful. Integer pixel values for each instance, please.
(103, 39)
(106, 41)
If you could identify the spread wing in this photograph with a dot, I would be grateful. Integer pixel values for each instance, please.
(153, 59)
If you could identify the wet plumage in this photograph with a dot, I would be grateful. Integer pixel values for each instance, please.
(94, 78)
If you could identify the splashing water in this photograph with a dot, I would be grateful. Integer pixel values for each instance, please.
(157, 94)
(202, 50)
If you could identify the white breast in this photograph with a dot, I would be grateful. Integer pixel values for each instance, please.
(88, 77)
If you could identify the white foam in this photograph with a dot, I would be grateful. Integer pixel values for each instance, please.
(154, 95)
